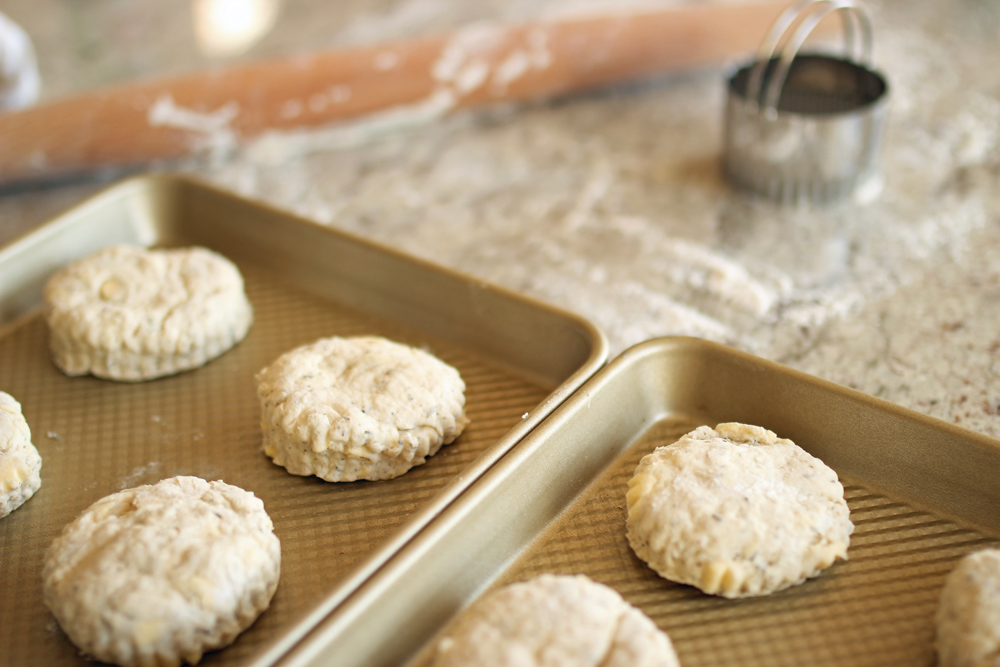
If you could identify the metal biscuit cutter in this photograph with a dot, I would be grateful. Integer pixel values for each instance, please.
(806, 128)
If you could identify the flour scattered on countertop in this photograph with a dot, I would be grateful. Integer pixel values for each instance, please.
(612, 205)
(140, 475)
(276, 148)
(931, 346)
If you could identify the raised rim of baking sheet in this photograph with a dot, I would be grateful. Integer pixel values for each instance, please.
(922, 493)
(516, 336)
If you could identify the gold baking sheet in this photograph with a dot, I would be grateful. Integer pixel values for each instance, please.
(922, 493)
(519, 360)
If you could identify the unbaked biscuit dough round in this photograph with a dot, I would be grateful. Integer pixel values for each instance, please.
(132, 314)
(345, 409)
(159, 574)
(737, 512)
(20, 462)
(554, 621)
(968, 614)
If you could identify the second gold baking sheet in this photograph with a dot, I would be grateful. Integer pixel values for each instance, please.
(518, 358)
(922, 493)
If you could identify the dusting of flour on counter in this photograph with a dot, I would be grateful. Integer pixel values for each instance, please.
(612, 204)
(139, 475)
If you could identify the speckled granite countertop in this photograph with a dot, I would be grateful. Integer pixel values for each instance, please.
(611, 204)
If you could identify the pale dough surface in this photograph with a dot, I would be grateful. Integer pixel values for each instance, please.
(345, 409)
(158, 574)
(20, 462)
(968, 614)
(132, 314)
(736, 511)
(554, 621)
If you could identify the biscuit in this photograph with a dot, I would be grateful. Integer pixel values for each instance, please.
(737, 512)
(345, 409)
(968, 614)
(132, 314)
(557, 620)
(20, 462)
(158, 574)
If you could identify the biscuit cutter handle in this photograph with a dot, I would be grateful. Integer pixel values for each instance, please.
(789, 33)
(135, 124)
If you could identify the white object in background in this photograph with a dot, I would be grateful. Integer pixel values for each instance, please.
(230, 27)
(20, 82)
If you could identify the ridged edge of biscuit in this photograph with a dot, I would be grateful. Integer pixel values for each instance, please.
(735, 577)
(332, 450)
(75, 358)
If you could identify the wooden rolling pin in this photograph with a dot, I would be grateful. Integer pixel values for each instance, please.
(143, 122)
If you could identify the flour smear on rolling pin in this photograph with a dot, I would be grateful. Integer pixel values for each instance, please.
(212, 130)
(467, 63)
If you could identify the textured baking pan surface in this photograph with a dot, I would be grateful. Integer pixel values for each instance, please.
(518, 358)
(922, 493)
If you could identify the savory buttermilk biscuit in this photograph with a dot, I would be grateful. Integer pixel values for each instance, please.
(557, 621)
(127, 313)
(968, 615)
(20, 463)
(736, 511)
(358, 408)
(158, 574)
